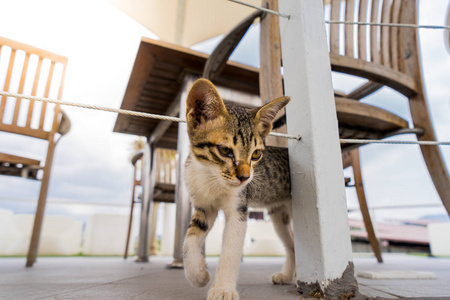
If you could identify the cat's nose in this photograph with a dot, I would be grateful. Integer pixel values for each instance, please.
(242, 171)
(242, 179)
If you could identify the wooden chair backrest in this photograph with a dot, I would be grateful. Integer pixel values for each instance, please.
(166, 166)
(32, 71)
(370, 43)
(387, 55)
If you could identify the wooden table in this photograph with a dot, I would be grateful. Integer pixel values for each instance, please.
(157, 84)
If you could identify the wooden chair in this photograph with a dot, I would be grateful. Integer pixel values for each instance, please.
(385, 57)
(164, 191)
(28, 70)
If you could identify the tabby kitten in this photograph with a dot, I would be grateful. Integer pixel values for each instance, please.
(230, 169)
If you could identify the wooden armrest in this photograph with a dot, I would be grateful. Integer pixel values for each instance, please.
(218, 58)
(13, 165)
(65, 124)
(164, 192)
(13, 159)
(139, 154)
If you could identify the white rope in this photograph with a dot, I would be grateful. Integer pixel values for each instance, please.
(262, 9)
(95, 107)
(389, 24)
(346, 22)
(422, 143)
(179, 120)
(292, 137)
(119, 111)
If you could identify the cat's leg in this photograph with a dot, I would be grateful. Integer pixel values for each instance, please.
(281, 219)
(224, 286)
(193, 259)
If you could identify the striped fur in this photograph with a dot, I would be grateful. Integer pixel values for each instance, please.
(230, 169)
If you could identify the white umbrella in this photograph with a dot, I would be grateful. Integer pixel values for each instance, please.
(185, 22)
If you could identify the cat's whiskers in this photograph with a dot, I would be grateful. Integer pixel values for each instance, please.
(257, 182)
(208, 182)
(257, 178)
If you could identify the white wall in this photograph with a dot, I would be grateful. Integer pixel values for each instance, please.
(60, 235)
(439, 236)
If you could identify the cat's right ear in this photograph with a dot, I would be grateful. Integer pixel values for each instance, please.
(266, 114)
(203, 104)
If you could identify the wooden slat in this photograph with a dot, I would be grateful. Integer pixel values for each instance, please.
(60, 90)
(161, 89)
(167, 74)
(271, 83)
(165, 186)
(20, 91)
(360, 115)
(61, 84)
(447, 34)
(385, 45)
(40, 134)
(334, 28)
(374, 242)
(156, 94)
(395, 18)
(399, 81)
(218, 58)
(7, 82)
(167, 66)
(374, 38)
(364, 90)
(270, 49)
(362, 30)
(46, 94)
(33, 50)
(33, 91)
(349, 17)
(14, 159)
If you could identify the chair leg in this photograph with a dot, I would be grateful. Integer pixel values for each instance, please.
(39, 216)
(130, 221)
(148, 185)
(153, 240)
(431, 154)
(374, 243)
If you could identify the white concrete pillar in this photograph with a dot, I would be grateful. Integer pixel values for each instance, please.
(322, 237)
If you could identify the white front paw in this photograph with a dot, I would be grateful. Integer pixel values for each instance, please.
(222, 294)
(280, 278)
(198, 277)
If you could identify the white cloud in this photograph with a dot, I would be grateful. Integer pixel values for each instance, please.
(91, 163)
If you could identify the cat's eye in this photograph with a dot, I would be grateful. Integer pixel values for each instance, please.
(256, 154)
(224, 151)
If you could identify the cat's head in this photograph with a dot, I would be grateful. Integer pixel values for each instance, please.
(227, 139)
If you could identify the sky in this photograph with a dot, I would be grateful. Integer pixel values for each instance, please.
(92, 164)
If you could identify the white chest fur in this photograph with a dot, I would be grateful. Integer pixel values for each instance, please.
(207, 188)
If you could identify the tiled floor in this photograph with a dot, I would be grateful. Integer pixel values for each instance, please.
(114, 278)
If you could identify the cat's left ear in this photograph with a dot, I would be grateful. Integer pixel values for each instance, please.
(266, 114)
